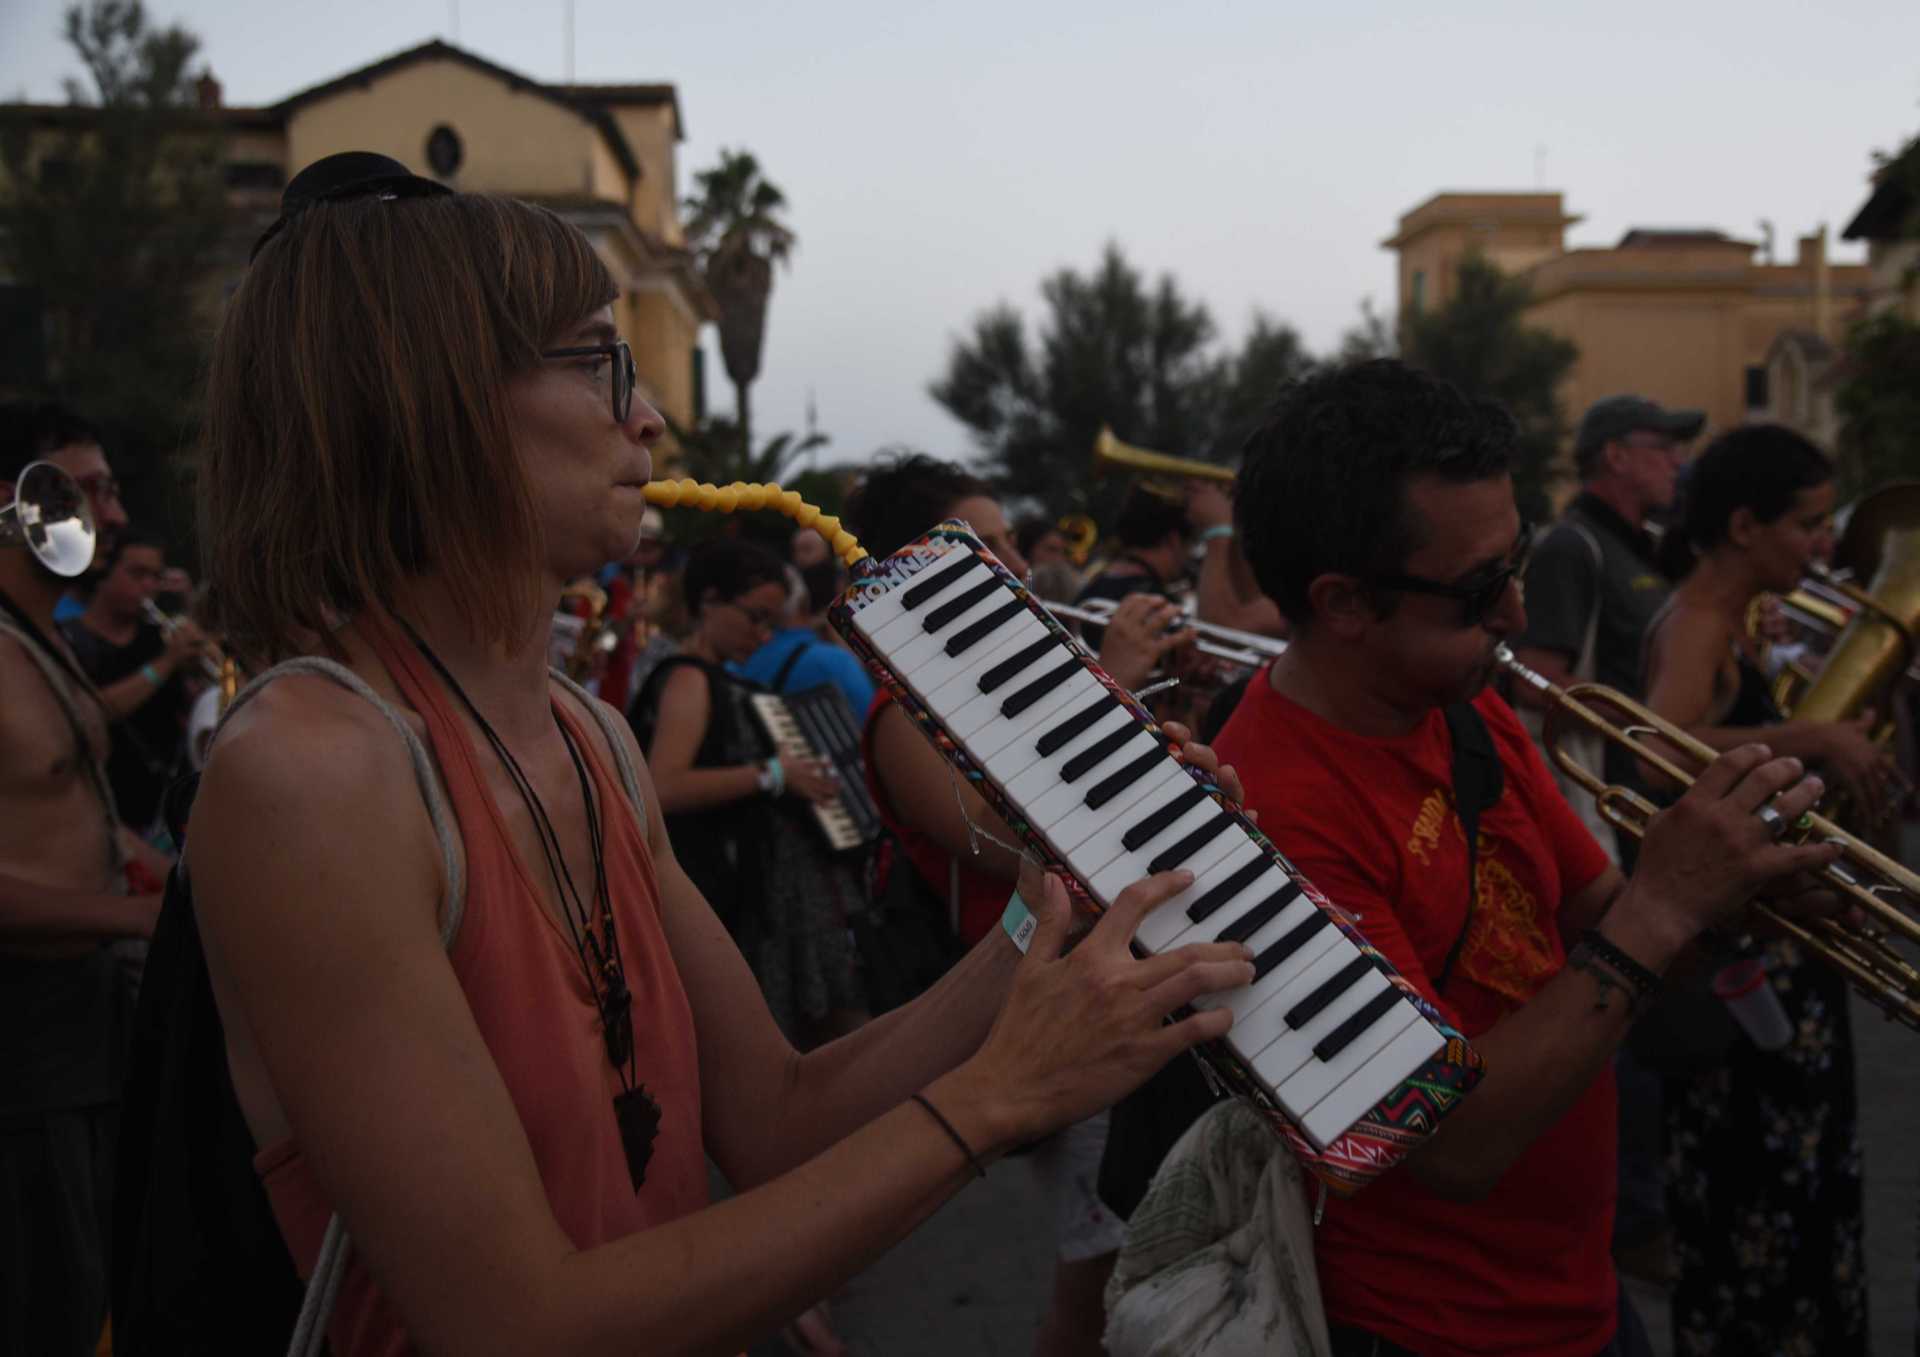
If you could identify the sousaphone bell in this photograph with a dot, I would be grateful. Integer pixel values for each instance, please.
(51, 517)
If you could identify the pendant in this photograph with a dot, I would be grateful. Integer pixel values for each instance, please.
(638, 1117)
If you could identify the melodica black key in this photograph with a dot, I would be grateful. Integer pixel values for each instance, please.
(968, 637)
(1217, 896)
(1296, 939)
(1018, 663)
(1145, 831)
(1256, 918)
(1118, 782)
(953, 607)
(938, 580)
(1304, 1012)
(1069, 730)
(1040, 687)
(1095, 754)
(1176, 853)
(1342, 1036)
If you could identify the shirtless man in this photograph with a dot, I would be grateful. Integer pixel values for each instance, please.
(63, 899)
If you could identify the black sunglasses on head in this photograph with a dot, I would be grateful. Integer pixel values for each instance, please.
(624, 371)
(1478, 597)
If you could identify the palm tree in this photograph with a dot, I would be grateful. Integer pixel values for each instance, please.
(734, 232)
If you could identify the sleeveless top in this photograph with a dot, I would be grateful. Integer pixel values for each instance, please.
(530, 1000)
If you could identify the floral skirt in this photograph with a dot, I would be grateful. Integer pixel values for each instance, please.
(1764, 1185)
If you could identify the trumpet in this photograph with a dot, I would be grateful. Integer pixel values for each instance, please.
(213, 665)
(1867, 956)
(1244, 649)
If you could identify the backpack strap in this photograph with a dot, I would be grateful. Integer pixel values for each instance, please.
(779, 684)
(1477, 783)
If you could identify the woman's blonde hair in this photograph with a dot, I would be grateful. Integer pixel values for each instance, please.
(357, 429)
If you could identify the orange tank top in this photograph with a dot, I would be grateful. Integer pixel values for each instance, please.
(531, 1001)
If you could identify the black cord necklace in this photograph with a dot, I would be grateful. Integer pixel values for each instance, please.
(634, 1109)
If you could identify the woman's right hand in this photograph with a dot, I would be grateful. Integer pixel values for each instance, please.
(810, 779)
(1081, 1030)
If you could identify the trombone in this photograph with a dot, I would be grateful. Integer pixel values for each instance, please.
(1864, 876)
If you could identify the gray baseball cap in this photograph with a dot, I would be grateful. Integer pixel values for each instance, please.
(1617, 416)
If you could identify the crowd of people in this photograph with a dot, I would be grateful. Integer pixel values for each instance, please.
(502, 938)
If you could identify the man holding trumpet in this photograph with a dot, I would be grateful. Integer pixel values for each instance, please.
(144, 664)
(1375, 508)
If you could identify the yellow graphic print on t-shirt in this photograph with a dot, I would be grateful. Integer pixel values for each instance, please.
(1507, 950)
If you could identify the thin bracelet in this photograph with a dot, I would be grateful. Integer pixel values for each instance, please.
(152, 675)
(1216, 532)
(1642, 981)
(979, 1169)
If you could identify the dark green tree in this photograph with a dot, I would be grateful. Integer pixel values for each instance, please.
(1480, 341)
(1111, 349)
(114, 225)
(1272, 355)
(734, 229)
(1878, 399)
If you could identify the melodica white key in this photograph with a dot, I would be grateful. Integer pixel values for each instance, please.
(1322, 1033)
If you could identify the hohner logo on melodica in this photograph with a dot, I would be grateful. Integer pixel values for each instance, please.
(1359, 1066)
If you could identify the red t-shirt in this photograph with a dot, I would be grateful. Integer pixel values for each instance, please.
(1372, 823)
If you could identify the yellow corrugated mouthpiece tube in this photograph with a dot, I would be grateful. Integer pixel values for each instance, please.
(742, 497)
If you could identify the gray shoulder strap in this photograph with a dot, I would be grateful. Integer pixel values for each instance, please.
(63, 693)
(629, 779)
(323, 1287)
(445, 832)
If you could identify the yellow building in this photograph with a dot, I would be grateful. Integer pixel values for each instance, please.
(602, 156)
(1686, 317)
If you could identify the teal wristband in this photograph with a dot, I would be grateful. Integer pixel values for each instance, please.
(1216, 532)
(152, 675)
(1019, 922)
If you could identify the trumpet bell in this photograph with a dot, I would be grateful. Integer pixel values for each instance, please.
(51, 517)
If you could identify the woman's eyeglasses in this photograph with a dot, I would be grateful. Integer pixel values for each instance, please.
(1478, 597)
(624, 371)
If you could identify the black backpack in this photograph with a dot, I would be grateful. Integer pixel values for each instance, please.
(198, 1262)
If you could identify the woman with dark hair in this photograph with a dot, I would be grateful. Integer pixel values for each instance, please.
(735, 812)
(476, 1019)
(1764, 1193)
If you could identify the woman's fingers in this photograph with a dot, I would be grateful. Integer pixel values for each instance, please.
(1199, 978)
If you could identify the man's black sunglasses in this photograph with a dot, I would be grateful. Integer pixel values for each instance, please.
(1478, 597)
(624, 372)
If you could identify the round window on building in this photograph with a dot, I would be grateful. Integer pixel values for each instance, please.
(444, 152)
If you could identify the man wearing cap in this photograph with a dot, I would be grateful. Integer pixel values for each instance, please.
(1592, 586)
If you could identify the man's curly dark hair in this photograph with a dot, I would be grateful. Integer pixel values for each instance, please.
(1322, 484)
(901, 498)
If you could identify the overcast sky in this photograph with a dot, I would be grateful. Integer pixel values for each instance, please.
(941, 158)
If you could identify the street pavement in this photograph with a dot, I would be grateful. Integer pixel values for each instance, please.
(974, 1280)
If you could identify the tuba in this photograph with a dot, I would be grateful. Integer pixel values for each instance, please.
(1876, 647)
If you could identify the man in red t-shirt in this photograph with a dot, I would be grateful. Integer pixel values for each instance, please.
(1376, 509)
